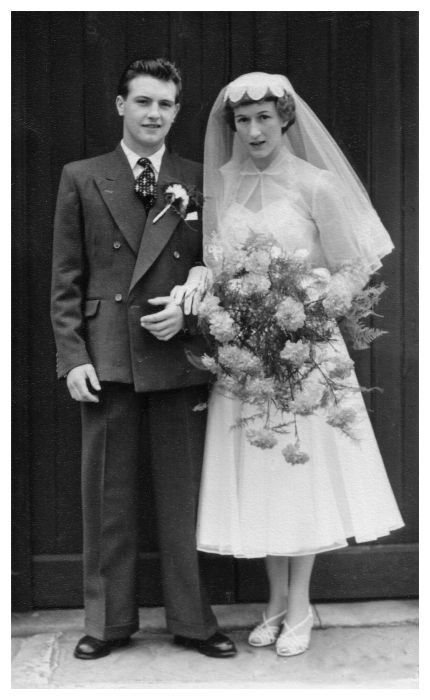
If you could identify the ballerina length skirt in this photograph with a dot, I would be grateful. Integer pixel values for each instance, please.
(253, 503)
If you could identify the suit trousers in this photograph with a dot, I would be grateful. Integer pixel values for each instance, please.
(111, 458)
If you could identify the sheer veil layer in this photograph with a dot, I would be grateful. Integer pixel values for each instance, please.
(230, 176)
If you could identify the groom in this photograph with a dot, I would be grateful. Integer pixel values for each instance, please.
(121, 346)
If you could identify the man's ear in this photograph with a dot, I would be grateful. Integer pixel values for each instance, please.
(120, 105)
(177, 108)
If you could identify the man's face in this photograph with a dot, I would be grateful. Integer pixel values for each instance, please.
(149, 111)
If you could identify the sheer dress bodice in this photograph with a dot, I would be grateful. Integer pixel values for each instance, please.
(291, 229)
(301, 206)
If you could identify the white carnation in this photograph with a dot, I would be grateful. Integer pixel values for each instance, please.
(239, 359)
(258, 261)
(308, 398)
(261, 437)
(338, 298)
(253, 283)
(178, 192)
(294, 455)
(296, 353)
(222, 326)
(276, 252)
(210, 363)
(340, 368)
(209, 305)
(260, 388)
(235, 285)
(290, 314)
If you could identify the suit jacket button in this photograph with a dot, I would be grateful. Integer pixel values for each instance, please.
(118, 297)
(117, 245)
(176, 254)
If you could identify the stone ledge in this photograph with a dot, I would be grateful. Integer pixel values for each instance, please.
(339, 657)
(373, 613)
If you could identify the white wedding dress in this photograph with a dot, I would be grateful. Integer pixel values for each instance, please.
(252, 502)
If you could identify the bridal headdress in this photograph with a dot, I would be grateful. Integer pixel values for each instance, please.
(256, 86)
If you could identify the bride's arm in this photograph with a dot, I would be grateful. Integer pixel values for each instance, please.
(345, 231)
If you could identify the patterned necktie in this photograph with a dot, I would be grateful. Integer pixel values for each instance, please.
(145, 185)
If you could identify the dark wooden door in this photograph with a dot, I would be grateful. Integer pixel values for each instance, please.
(358, 71)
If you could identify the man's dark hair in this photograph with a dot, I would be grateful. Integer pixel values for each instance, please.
(155, 67)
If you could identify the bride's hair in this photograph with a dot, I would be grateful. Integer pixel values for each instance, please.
(285, 106)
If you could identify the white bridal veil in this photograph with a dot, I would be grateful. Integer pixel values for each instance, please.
(226, 170)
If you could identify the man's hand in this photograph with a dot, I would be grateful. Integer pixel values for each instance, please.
(166, 323)
(77, 383)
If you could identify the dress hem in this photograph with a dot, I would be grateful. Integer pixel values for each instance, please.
(253, 555)
(228, 551)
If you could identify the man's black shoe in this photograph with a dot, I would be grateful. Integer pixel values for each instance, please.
(219, 646)
(92, 648)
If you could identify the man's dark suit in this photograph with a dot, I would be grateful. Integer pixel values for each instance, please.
(108, 260)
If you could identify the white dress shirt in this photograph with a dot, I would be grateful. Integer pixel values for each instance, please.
(133, 157)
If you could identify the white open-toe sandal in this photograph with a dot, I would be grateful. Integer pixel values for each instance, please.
(265, 633)
(295, 640)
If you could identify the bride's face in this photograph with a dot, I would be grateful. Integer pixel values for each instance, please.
(259, 127)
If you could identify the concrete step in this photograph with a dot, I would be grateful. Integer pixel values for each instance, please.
(241, 616)
(339, 657)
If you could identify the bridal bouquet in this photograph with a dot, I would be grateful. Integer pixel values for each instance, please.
(271, 321)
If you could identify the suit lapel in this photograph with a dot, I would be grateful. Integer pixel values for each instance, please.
(156, 236)
(116, 187)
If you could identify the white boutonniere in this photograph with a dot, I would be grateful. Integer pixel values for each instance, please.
(176, 197)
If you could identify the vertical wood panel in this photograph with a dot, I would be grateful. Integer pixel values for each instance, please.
(271, 42)
(308, 60)
(104, 60)
(66, 80)
(147, 34)
(40, 209)
(349, 87)
(242, 37)
(187, 51)
(215, 64)
(21, 456)
(386, 191)
(409, 57)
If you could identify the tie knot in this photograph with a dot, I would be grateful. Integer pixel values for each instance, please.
(144, 162)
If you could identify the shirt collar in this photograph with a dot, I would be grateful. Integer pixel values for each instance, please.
(133, 157)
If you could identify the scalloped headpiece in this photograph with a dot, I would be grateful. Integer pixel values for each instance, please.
(256, 86)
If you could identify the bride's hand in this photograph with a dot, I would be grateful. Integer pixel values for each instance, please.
(190, 293)
(187, 296)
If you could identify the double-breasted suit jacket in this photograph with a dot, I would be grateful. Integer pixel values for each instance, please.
(108, 260)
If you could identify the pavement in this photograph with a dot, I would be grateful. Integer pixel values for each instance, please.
(371, 644)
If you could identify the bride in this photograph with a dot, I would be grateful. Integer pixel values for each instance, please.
(271, 167)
